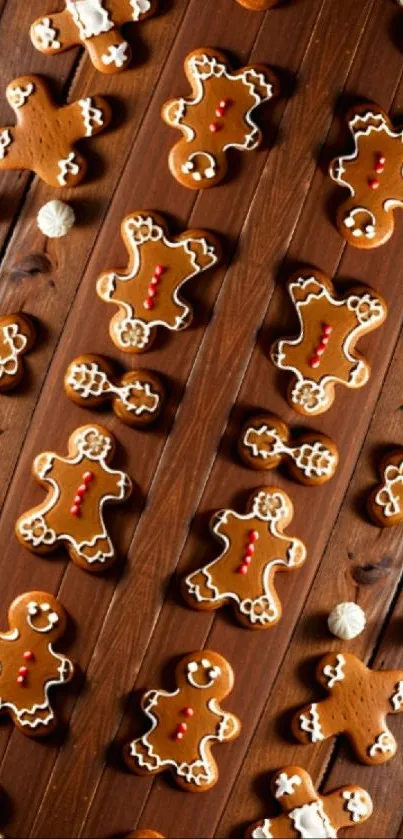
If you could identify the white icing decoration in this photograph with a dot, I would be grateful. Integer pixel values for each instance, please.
(397, 698)
(5, 141)
(270, 507)
(311, 822)
(67, 166)
(89, 380)
(384, 744)
(92, 116)
(208, 171)
(12, 344)
(335, 674)
(18, 96)
(212, 672)
(117, 55)
(387, 497)
(347, 621)
(140, 7)
(286, 785)
(368, 226)
(358, 805)
(93, 446)
(313, 459)
(90, 17)
(311, 724)
(34, 609)
(263, 831)
(55, 219)
(46, 34)
(308, 393)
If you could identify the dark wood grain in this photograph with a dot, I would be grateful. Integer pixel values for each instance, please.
(274, 214)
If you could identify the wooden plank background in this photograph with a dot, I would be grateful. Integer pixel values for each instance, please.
(128, 627)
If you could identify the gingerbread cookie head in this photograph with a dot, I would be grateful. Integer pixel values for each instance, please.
(217, 117)
(308, 814)
(324, 353)
(136, 397)
(265, 442)
(149, 293)
(357, 705)
(44, 138)
(185, 724)
(30, 667)
(385, 504)
(17, 337)
(79, 486)
(96, 24)
(372, 173)
(254, 549)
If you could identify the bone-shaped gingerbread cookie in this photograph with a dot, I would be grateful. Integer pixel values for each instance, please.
(136, 397)
(218, 117)
(79, 486)
(265, 442)
(373, 175)
(385, 504)
(306, 813)
(358, 703)
(185, 724)
(324, 354)
(17, 337)
(44, 138)
(29, 666)
(254, 550)
(148, 293)
(95, 24)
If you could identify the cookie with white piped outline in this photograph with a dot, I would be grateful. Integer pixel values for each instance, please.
(385, 504)
(17, 338)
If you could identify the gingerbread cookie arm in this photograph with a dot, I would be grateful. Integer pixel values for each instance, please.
(110, 52)
(87, 117)
(54, 33)
(348, 806)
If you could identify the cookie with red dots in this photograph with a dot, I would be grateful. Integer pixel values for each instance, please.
(79, 486)
(306, 813)
(217, 117)
(254, 549)
(372, 174)
(324, 353)
(17, 337)
(30, 668)
(149, 293)
(185, 724)
(385, 504)
(96, 25)
(45, 136)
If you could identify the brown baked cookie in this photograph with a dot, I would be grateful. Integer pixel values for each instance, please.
(148, 293)
(265, 441)
(29, 665)
(385, 504)
(306, 813)
(373, 175)
(144, 834)
(324, 354)
(136, 397)
(79, 486)
(217, 117)
(258, 5)
(17, 337)
(358, 703)
(185, 724)
(95, 24)
(45, 136)
(254, 550)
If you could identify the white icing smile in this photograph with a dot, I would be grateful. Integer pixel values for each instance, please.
(208, 675)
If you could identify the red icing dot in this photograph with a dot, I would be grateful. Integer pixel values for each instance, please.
(75, 510)
(88, 477)
(23, 671)
(179, 735)
(151, 291)
(247, 560)
(82, 489)
(220, 111)
(188, 712)
(243, 569)
(160, 270)
(250, 550)
(225, 103)
(149, 303)
(21, 681)
(182, 727)
(253, 535)
(214, 127)
(154, 281)
(315, 361)
(327, 330)
(28, 655)
(373, 183)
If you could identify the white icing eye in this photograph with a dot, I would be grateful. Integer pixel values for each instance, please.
(206, 663)
(188, 167)
(53, 618)
(33, 608)
(45, 607)
(209, 173)
(349, 222)
(192, 667)
(214, 673)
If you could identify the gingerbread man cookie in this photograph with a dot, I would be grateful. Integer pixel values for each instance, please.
(45, 135)
(373, 175)
(258, 5)
(148, 293)
(308, 815)
(185, 724)
(324, 355)
(79, 486)
(136, 397)
(265, 442)
(144, 834)
(359, 701)
(95, 24)
(29, 666)
(385, 504)
(218, 117)
(17, 337)
(254, 549)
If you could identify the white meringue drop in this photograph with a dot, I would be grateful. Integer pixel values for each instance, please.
(346, 621)
(55, 219)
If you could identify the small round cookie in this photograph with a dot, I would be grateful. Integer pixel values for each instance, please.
(385, 504)
(17, 337)
(347, 621)
(55, 219)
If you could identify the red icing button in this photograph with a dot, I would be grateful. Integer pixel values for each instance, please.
(88, 477)
(315, 361)
(28, 655)
(21, 680)
(82, 489)
(243, 569)
(253, 535)
(160, 269)
(214, 127)
(23, 671)
(373, 183)
(75, 511)
(188, 712)
(149, 303)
